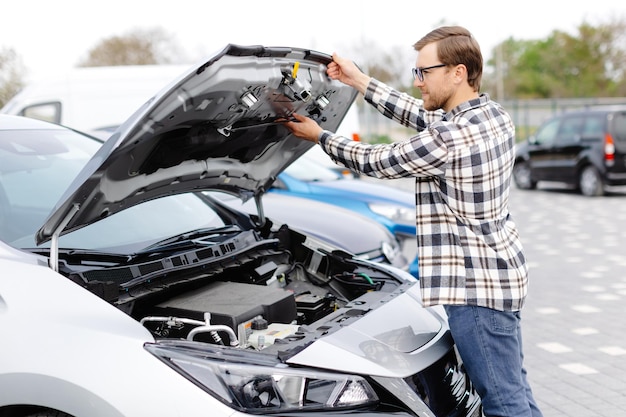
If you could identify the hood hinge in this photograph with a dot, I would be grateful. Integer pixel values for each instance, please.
(259, 209)
(54, 239)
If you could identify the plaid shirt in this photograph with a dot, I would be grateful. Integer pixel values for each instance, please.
(468, 245)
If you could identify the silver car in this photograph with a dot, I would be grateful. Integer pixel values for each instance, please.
(194, 308)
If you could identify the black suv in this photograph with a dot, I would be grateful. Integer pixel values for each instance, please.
(585, 149)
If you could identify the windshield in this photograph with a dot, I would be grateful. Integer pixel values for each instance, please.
(37, 166)
(144, 224)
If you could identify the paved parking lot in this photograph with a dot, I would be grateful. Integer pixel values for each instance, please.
(574, 321)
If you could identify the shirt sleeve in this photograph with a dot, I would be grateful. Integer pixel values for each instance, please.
(423, 155)
(400, 107)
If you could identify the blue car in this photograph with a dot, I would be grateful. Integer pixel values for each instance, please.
(392, 207)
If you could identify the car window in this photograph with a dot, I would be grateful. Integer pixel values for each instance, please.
(569, 131)
(49, 112)
(594, 126)
(619, 127)
(547, 133)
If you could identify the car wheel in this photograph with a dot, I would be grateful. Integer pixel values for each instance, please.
(590, 182)
(49, 413)
(521, 176)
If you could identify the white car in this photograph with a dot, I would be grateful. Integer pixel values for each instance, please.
(193, 308)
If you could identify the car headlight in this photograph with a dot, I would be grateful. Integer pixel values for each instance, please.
(393, 212)
(253, 382)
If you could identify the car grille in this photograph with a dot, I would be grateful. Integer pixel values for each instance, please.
(446, 389)
(440, 390)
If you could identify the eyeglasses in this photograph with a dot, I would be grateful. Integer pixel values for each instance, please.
(419, 72)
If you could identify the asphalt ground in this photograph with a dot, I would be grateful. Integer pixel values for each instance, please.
(574, 320)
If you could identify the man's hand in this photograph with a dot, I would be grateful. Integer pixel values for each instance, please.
(348, 73)
(304, 127)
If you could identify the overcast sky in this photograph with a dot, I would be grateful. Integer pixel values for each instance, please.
(53, 35)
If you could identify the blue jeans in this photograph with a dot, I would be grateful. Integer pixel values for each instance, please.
(490, 345)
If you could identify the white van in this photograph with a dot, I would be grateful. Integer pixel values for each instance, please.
(92, 98)
(97, 100)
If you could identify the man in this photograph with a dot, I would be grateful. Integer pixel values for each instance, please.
(471, 258)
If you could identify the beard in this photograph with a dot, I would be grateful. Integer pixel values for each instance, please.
(437, 99)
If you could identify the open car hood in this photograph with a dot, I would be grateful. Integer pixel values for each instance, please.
(216, 127)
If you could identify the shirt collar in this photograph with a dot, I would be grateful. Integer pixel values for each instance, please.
(481, 100)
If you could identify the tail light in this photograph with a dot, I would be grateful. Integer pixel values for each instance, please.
(609, 149)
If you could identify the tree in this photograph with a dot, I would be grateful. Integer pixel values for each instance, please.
(137, 47)
(11, 74)
(590, 64)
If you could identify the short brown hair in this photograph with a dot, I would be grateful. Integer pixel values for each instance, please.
(456, 45)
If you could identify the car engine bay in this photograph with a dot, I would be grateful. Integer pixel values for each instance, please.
(254, 289)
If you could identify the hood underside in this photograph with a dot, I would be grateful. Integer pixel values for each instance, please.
(216, 127)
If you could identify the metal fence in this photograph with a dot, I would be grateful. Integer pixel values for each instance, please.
(527, 116)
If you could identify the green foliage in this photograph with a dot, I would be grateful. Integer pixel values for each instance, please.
(589, 64)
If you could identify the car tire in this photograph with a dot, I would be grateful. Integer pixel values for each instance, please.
(590, 182)
(521, 176)
(49, 413)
